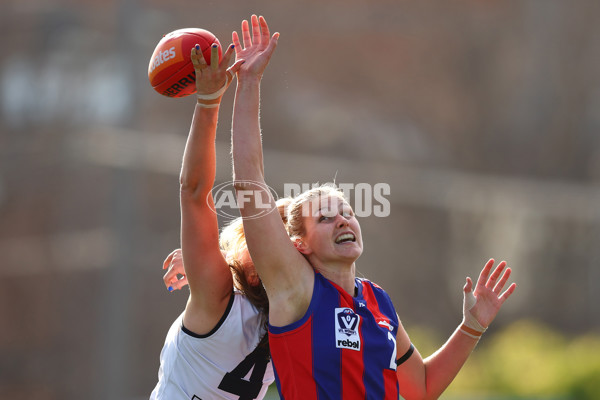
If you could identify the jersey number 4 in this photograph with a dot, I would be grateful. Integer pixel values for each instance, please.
(233, 382)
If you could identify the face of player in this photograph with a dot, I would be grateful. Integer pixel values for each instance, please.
(332, 231)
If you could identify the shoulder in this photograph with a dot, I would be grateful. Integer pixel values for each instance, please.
(374, 293)
(239, 315)
(372, 285)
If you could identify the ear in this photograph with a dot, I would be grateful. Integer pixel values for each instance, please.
(302, 247)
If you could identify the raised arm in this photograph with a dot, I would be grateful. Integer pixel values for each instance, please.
(427, 379)
(207, 272)
(286, 275)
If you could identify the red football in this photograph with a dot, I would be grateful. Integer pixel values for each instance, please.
(170, 71)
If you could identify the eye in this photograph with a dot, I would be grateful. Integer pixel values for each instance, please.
(346, 213)
(326, 213)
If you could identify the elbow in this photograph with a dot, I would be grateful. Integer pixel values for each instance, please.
(186, 184)
(192, 188)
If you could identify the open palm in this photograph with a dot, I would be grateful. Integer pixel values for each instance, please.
(487, 294)
(258, 47)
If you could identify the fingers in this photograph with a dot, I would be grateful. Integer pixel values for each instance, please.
(264, 29)
(468, 285)
(197, 58)
(260, 35)
(214, 57)
(255, 30)
(170, 277)
(174, 253)
(485, 272)
(500, 285)
(227, 56)
(174, 266)
(178, 284)
(272, 44)
(507, 293)
(491, 282)
(236, 42)
(258, 46)
(167, 261)
(235, 68)
(268, 52)
(497, 280)
(246, 34)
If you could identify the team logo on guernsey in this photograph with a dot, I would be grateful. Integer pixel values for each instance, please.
(346, 329)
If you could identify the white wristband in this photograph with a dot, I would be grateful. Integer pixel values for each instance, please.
(469, 320)
(217, 94)
(208, 105)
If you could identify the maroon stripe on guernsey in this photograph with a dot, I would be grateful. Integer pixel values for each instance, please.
(351, 389)
(294, 348)
(389, 376)
(352, 375)
(373, 305)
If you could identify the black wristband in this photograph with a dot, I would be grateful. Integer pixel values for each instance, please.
(406, 355)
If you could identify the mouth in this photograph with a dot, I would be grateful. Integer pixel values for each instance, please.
(347, 237)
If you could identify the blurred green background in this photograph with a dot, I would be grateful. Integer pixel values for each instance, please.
(482, 116)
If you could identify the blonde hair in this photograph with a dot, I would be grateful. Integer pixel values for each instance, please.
(233, 241)
(296, 210)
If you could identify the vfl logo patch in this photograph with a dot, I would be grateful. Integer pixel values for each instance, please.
(346, 329)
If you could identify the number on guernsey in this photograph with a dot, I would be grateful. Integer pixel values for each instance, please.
(393, 360)
(233, 382)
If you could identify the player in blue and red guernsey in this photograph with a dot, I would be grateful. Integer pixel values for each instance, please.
(344, 347)
(333, 336)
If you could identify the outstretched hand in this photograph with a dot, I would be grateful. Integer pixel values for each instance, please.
(485, 301)
(257, 50)
(210, 79)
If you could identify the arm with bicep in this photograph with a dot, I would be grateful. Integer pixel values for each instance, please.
(286, 275)
(205, 268)
(428, 378)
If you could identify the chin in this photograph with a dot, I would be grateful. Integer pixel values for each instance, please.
(352, 254)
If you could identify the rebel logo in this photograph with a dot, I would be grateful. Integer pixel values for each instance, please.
(347, 323)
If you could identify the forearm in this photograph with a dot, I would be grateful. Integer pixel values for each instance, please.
(245, 132)
(443, 366)
(198, 168)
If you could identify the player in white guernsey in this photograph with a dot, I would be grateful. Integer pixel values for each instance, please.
(218, 347)
(226, 363)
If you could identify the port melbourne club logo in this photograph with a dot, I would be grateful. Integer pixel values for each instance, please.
(346, 329)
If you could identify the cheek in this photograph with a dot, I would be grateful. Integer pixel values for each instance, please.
(356, 229)
(320, 237)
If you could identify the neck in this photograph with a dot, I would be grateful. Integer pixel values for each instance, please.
(341, 274)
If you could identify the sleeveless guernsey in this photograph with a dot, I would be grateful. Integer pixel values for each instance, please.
(223, 364)
(343, 348)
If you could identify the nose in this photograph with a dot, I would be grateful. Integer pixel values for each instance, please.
(341, 221)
